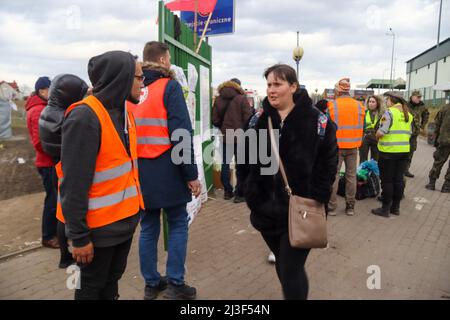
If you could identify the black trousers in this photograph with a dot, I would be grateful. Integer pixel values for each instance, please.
(290, 266)
(392, 170)
(100, 278)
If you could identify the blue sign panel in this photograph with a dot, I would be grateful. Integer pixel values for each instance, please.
(222, 20)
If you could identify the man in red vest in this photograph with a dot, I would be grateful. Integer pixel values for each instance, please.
(166, 184)
(348, 114)
(100, 197)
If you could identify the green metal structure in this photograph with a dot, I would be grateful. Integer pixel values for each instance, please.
(182, 51)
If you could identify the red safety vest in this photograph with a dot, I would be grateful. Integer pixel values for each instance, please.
(151, 121)
(115, 193)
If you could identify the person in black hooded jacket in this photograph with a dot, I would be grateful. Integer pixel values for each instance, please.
(65, 90)
(308, 149)
(101, 252)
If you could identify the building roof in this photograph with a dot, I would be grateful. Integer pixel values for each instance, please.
(398, 84)
(429, 56)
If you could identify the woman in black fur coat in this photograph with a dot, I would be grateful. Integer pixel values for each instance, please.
(308, 149)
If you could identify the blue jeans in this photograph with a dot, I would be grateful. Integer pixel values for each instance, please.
(49, 221)
(177, 219)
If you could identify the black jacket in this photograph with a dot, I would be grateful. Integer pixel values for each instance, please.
(112, 76)
(310, 160)
(65, 90)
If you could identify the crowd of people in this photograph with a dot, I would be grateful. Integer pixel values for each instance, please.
(104, 155)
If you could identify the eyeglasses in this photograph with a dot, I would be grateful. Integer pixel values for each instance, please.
(140, 78)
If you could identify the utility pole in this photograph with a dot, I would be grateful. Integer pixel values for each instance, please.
(392, 57)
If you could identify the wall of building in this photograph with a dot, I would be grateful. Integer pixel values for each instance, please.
(423, 80)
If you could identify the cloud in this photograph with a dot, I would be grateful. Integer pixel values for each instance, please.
(339, 38)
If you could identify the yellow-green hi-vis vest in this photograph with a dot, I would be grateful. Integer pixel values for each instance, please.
(369, 124)
(397, 139)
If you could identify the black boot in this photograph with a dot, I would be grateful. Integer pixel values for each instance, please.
(383, 211)
(395, 208)
(431, 185)
(446, 187)
(409, 174)
(228, 195)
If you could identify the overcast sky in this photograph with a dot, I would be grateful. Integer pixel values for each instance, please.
(340, 38)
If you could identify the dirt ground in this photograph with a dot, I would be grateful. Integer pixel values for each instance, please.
(20, 223)
(21, 190)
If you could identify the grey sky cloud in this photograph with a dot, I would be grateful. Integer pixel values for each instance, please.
(339, 38)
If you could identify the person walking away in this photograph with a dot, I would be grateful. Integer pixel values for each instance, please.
(442, 152)
(231, 111)
(44, 164)
(421, 115)
(98, 176)
(308, 149)
(393, 145)
(65, 90)
(166, 185)
(348, 114)
(371, 121)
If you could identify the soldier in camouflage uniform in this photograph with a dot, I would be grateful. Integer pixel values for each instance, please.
(442, 152)
(421, 115)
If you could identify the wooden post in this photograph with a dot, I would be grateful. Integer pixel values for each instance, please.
(204, 32)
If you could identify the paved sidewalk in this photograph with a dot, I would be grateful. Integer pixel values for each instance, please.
(227, 257)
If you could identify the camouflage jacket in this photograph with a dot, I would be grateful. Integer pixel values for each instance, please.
(442, 122)
(421, 115)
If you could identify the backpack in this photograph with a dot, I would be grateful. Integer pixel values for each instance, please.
(364, 189)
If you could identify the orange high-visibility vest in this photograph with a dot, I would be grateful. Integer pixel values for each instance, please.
(151, 121)
(115, 193)
(348, 114)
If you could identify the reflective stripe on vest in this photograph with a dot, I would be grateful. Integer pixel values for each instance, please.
(397, 139)
(115, 193)
(151, 121)
(350, 132)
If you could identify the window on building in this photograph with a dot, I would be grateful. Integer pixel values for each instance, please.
(428, 66)
(445, 59)
(416, 71)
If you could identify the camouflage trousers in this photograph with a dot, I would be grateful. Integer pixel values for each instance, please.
(413, 148)
(440, 156)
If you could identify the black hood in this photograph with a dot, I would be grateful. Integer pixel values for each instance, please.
(112, 75)
(302, 103)
(65, 90)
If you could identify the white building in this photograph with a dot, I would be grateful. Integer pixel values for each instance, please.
(421, 73)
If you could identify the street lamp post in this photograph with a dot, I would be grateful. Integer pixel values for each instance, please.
(392, 57)
(298, 54)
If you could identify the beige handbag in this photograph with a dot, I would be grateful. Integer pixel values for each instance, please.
(307, 219)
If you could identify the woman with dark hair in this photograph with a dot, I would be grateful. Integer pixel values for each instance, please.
(371, 121)
(393, 145)
(308, 150)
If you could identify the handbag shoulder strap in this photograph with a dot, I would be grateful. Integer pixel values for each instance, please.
(277, 156)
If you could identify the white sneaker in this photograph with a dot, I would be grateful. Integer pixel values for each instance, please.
(332, 213)
(271, 257)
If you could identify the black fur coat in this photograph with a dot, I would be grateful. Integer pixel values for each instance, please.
(310, 160)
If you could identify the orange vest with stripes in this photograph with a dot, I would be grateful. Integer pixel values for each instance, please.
(151, 121)
(348, 114)
(115, 193)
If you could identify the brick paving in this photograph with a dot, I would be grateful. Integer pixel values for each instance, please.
(227, 257)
